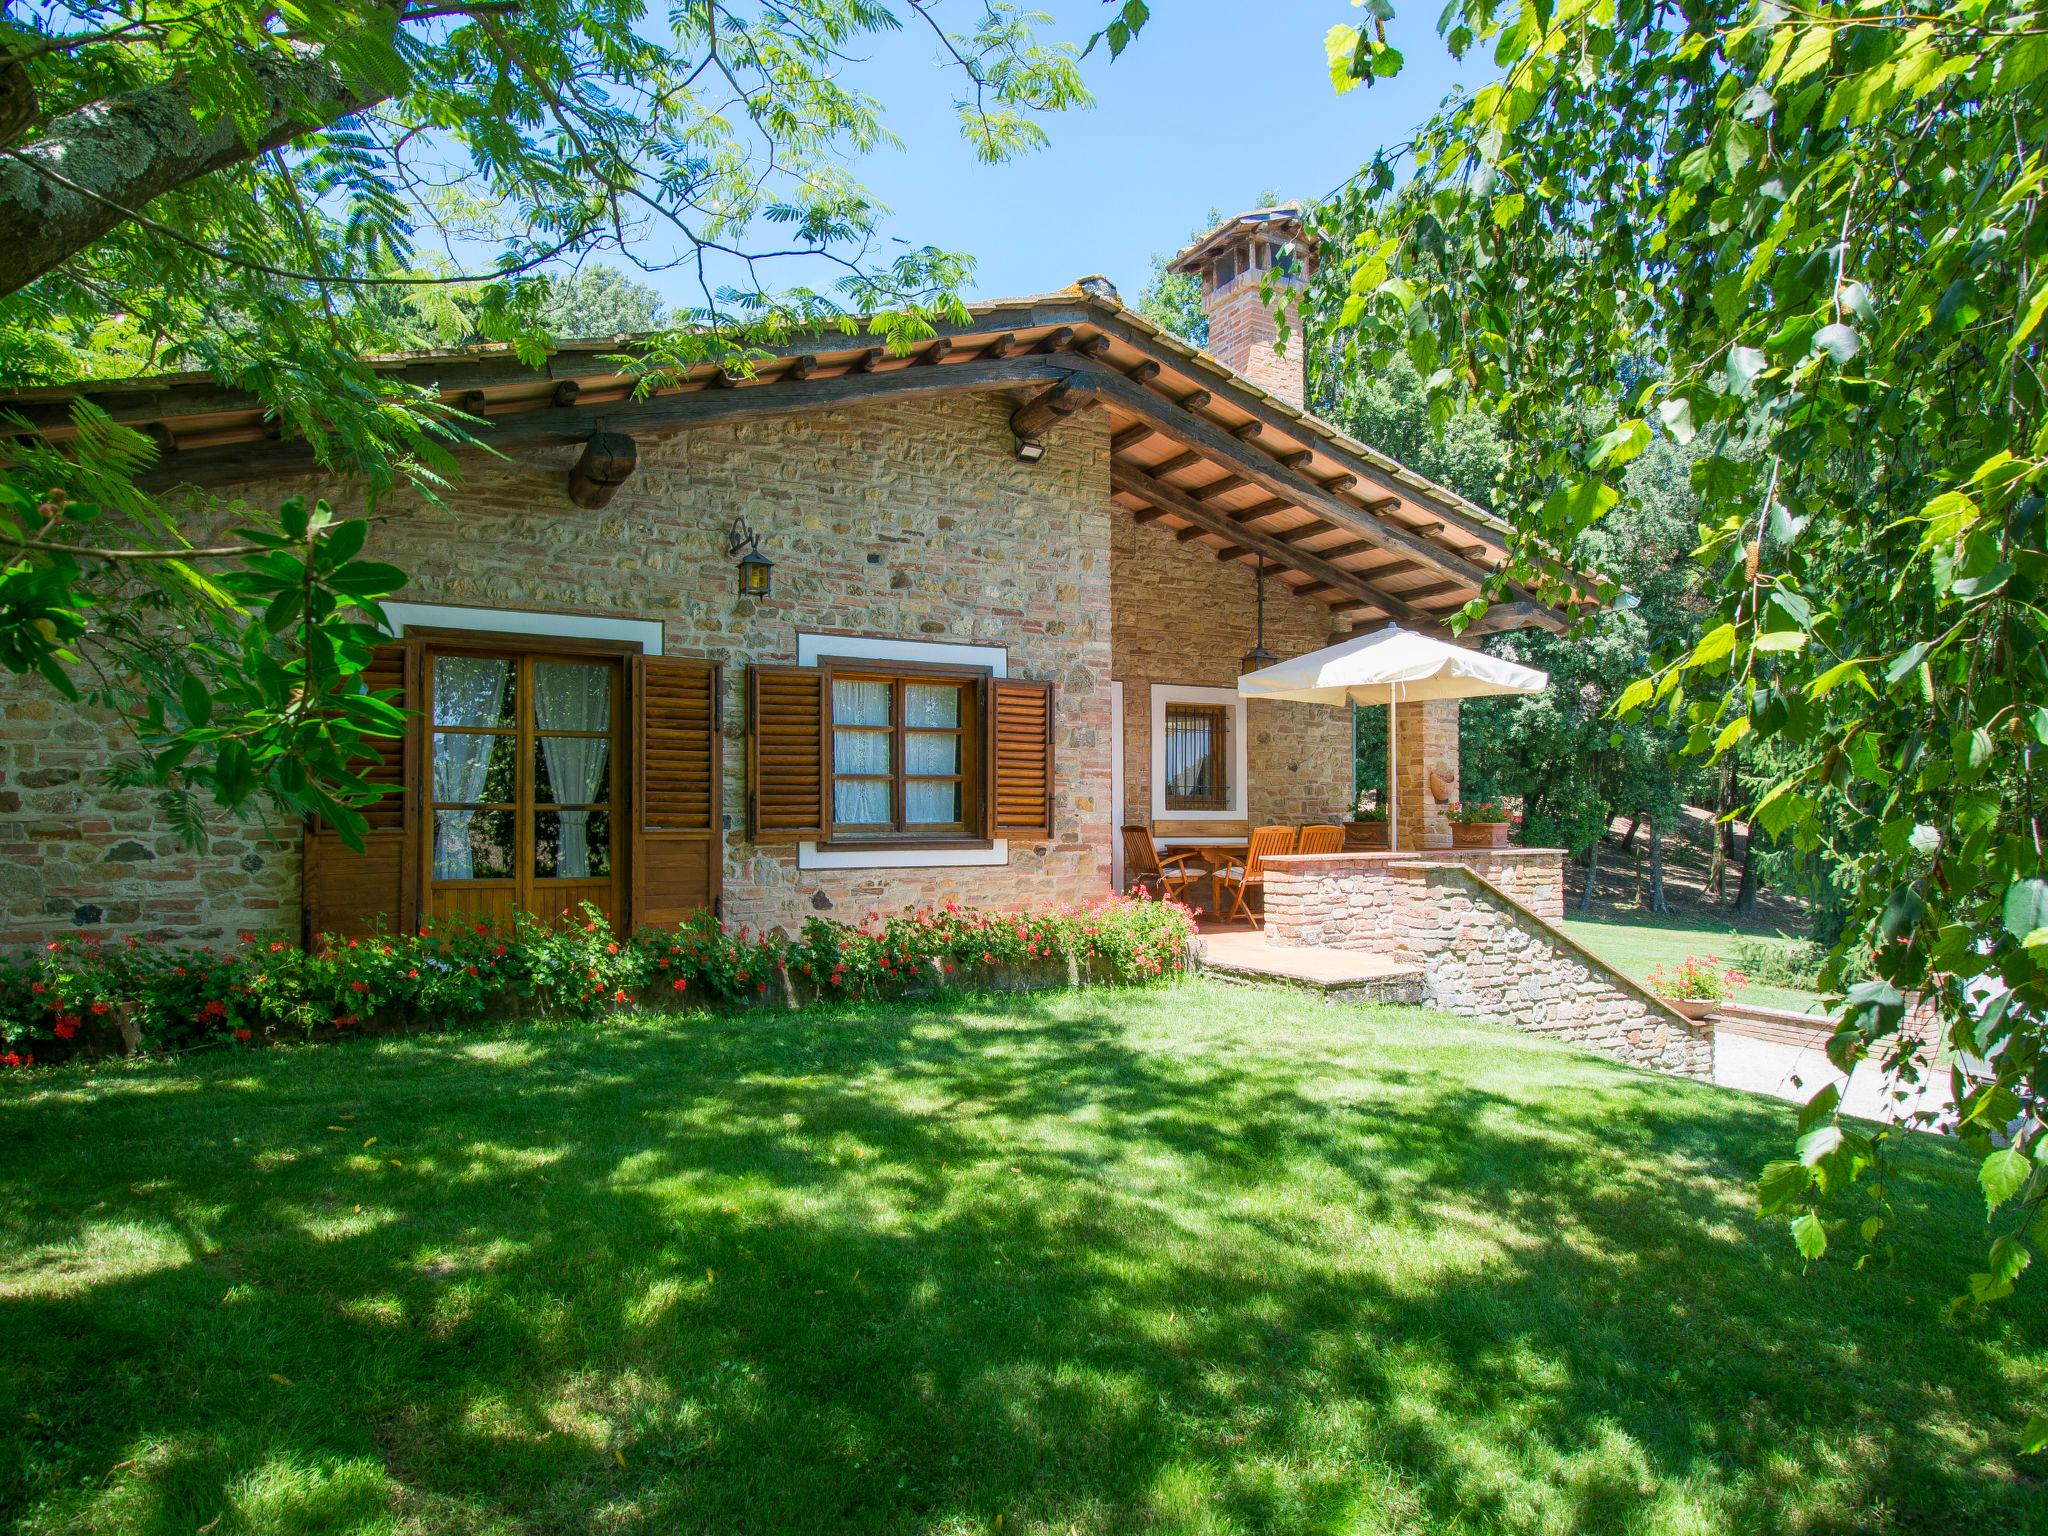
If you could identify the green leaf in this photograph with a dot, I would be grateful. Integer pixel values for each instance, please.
(1635, 695)
(1508, 209)
(1840, 342)
(1616, 447)
(2002, 1175)
(1677, 418)
(195, 700)
(1781, 1185)
(2026, 907)
(1744, 365)
(1818, 1143)
(1715, 645)
(1902, 913)
(1782, 640)
(2034, 1438)
(1810, 1236)
(1731, 733)
(1841, 672)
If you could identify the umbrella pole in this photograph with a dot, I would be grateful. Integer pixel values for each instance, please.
(1394, 769)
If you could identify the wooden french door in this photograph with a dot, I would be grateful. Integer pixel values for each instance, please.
(523, 782)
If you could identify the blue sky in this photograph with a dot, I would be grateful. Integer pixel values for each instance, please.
(1217, 102)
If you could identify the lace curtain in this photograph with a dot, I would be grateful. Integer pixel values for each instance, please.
(573, 696)
(470, 691)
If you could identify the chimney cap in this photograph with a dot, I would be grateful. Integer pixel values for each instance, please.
(1282, 221)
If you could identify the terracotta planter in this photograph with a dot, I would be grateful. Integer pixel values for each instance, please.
(1365, 836)
(1692, 1007)
(1480, 834)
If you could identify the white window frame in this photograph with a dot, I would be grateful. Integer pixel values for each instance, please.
(1164, 694)
(645, 633)
(810, 650)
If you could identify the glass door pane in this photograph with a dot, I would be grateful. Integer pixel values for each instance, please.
(572, 718)
(474, 772)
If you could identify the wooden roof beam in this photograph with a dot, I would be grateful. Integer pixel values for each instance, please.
(1261, 470)
(1030, 421)
(1173, 465)
(1221, 487)
(1288, 425)
(1267, 508)
(1130, 437)
(676, 411)
(1208, 520)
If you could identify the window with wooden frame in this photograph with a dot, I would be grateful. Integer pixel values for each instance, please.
(524, 761)
(1197, 757)
(538, 773)
(906, 754)
(859, 754)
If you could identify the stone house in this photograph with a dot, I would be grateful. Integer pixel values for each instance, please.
(1013, 577)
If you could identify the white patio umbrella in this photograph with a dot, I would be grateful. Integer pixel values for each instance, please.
(1391, 666)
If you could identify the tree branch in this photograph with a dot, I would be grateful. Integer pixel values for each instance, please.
(122, 153)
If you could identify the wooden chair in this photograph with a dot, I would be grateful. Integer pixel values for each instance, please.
(1320, 839)
(1266, 843)
(1170, 876)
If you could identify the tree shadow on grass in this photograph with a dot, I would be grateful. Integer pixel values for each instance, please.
(1187, 1261)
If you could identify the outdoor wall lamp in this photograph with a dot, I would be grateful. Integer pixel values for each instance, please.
(757, 571)
(1258, 656)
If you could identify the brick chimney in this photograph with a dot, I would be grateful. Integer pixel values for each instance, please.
(1232, 261)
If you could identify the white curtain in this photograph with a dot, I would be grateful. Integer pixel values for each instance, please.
(468, 690)
(573, 696)
(861, 802)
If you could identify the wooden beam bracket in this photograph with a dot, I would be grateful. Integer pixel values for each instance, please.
(1031, 421)
(606, 463)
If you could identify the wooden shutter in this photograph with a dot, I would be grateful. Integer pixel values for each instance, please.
(785, 754)
(677, 854)
(350, 893)
(1020, 759)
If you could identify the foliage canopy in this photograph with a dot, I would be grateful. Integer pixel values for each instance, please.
(271, 193)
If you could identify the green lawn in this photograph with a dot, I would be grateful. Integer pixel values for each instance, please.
(1200, 1260)
(1633, 947)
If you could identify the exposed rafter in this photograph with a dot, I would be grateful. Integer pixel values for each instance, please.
(1203, 519)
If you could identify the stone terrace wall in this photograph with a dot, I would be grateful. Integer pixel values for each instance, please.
(1481, 926)
(1354, 900)
(1180, 616)
(911, 521)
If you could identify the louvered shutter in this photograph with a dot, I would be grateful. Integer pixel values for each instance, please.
(349, 893)
(785, 753)
(677, 853)
(1020, 759)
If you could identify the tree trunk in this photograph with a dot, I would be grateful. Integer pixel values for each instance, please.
(1628, 838)
(1592, 874)
(118, 155)
(1747, 889)
(1657, 902)
(1723, 833)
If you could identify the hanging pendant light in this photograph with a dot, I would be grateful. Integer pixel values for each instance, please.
(1258, 656)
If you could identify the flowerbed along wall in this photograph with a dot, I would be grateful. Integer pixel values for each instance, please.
(83, 994)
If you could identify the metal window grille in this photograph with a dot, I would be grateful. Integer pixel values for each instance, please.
(1197, 740)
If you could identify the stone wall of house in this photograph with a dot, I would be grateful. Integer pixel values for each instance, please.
(911, 521)
(1481, 926)
(1180, 616)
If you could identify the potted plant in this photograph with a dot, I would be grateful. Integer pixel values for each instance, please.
(1479, 823)
(1367, 830)
(1695, 987)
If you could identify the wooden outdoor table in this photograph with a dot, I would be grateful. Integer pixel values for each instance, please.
(1219, 853)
